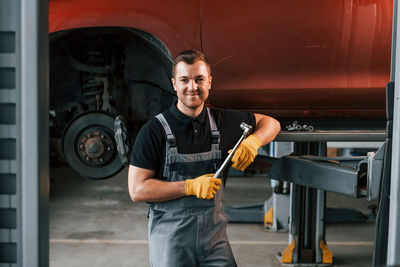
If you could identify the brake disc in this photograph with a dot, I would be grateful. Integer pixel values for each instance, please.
(89, 146)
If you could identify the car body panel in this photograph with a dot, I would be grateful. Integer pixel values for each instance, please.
(176, 25)
(300, 58)
(288, 59)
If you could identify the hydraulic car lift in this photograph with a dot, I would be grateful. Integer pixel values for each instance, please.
(310, 177)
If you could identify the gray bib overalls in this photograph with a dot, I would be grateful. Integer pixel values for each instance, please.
(189, 231)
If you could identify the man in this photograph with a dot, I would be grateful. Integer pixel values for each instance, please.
(172, 166)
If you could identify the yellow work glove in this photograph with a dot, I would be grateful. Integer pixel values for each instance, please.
(205, 186)
(246, 152)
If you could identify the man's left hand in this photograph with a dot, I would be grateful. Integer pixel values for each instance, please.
(246, 152)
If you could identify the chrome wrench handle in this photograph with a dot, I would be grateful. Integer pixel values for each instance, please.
(246, 130)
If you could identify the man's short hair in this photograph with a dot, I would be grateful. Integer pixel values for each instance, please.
(189, 57)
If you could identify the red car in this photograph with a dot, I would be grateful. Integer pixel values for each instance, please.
(323, 62)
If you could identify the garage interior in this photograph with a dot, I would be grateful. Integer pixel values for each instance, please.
(51, 216)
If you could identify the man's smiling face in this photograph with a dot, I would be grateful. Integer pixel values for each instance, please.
(192, 83)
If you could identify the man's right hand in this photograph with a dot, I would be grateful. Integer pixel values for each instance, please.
(205, 186)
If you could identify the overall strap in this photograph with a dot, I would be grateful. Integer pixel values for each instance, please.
(170, 136)
(215, 136)
(170, 145)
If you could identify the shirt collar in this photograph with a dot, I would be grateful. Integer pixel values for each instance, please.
(186, 119)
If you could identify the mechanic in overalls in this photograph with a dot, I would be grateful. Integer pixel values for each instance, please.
(172, 165)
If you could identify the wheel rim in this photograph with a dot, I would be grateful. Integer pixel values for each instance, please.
(89, 146)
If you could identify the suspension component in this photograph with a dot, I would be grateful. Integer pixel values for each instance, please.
(93, 54)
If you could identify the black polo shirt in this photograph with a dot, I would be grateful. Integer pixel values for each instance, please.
(192, 136)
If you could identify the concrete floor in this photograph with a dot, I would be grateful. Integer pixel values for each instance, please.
(94, 223)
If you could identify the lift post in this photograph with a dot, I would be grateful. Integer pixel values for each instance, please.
(393, 255)
(24, 150)
(307, 243)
